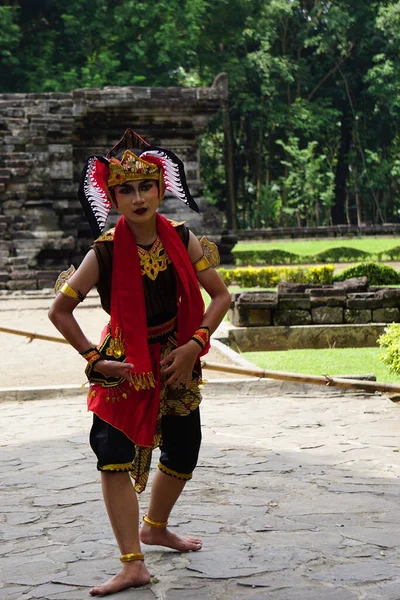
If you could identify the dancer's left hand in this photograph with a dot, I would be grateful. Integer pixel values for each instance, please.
(178, 365)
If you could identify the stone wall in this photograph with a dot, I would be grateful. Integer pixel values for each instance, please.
(45, 139)
(349, 302)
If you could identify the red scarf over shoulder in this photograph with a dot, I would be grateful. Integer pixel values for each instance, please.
(134, 408)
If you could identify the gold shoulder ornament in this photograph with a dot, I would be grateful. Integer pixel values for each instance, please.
(210, 257)
(106, 236)
(63, 286)
(210, 251)
(63, 278)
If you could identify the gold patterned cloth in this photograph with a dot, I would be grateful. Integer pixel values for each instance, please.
(174, 401)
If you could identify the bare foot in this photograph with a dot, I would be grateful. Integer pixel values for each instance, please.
(164, 537)
(132, 574)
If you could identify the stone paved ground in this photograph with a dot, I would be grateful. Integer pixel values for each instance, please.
(296, 497)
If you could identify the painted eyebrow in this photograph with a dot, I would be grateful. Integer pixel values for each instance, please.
(126, 184)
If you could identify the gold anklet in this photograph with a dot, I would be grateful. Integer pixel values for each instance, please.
(130, 557)
(159, 524)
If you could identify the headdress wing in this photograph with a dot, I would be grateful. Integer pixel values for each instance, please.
(93, 193)
(173, 173)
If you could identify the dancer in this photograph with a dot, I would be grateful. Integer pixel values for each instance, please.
(145, 373)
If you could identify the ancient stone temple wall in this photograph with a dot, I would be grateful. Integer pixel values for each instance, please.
(44, 142)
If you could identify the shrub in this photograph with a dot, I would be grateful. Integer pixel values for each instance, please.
(377, 274)
(390, 254)
(340, 254)
(265, 257)
(390, 340)
(271, 276)
(281, 257)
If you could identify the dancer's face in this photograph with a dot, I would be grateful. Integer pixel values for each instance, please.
(137, 200)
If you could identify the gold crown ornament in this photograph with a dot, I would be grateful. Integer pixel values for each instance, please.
(131, 168)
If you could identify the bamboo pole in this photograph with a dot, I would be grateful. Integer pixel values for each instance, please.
(34, 336)
(326, 380)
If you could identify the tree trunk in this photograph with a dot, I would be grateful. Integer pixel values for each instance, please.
(228, 152)
(342, 170)
(258, 178)
(358, 198)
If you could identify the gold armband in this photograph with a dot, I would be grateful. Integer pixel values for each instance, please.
(67, 290)
(210, 251)
(202, 264)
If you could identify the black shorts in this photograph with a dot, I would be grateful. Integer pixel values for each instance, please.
(181, 439)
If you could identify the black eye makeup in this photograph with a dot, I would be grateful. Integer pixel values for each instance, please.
(146, 186)
(126, 189)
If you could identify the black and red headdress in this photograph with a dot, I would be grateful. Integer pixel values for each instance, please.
(103, 172)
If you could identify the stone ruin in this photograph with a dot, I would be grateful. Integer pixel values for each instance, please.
(45, 140)
(344, 315)
(350, 302)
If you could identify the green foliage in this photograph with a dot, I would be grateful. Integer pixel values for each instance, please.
(270, 276)
(309, 183)
(279, 257)
(390, 254)
(314, 104)
(340, 254)
(390, 340)
(377, 274)
(10, 37)
(265, 257)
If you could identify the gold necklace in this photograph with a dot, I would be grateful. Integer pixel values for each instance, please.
(154, 260)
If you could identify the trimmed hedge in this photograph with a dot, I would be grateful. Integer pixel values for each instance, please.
(337, 255)
(391, 254)
(390, 340)
(377, 274)
(271, 276)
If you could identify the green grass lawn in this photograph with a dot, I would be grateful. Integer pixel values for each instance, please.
(331, 361)
(368, 244)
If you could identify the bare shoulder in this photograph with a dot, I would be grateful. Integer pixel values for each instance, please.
(194, 248)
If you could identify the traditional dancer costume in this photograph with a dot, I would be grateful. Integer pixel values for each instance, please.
(153, 298)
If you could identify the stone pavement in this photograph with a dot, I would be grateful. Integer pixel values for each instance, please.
(296, 497)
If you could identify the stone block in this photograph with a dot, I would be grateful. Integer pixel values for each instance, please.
(386, 315)
(357, 316)
(292, 317)
(336, 300)
(323, 292)
(260, 339)
(295, 288)
(247, 316)
(18, 260)
(294, 301)
(21, 274)
(389, 297)
(353, 285)
(259, 299)
(22, 284)
(367, 300)
(324, 315)
(63, 170)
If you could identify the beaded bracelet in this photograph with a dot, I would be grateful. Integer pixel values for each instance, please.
(201, 336)
(92, 356)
